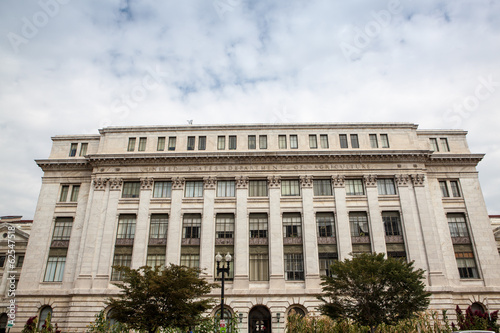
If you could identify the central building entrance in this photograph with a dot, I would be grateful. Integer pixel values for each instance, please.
(259, 320)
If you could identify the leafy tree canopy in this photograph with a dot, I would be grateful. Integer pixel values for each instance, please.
(372, 290)
(167, 297)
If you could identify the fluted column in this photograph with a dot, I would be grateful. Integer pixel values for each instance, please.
(139, 252)
(310, 239)
(174, 235)
(343, 229)
(276, 272)
(207, 241)
(377, 232)
(241, 260)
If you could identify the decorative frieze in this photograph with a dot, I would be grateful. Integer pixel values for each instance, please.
(115, 184)
(224, 241)
(360, 239)
(338, 181)
(292, 240)
(157, 241)
(394, 239)
(178, 183)
(242, 182)
(306, 181)
(100, 184)
(190, 241)
(418, 179)
(327, 240)
(402, 180)
(274, 181)
(146, 183)
(257, 241)
(209, 182)
(370, 180)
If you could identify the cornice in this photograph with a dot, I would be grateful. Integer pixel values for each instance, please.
(455, 159)
(78, 164)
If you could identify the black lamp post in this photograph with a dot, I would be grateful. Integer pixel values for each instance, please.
(224, 270)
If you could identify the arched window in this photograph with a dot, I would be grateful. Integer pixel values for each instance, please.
(110, 319)
(295, 310)
(477, 307)
(228, 317)
(44, 313)
(3, 322)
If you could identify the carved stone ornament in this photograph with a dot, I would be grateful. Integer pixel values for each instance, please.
(178, 183)
(146, 183)
(115, 184)
(100, 183)
(209, 182)
(338, 181)
(242, 182)
(306, 181)
(370, 180)
(418, 179)
(402, 180)
(274, 181)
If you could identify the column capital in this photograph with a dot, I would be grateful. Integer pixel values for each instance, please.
(418, 179)
(402, 180)
(338, 181)
(209, 183)
(370, 180)
(242, 182)
(115, 184)
(178, 183)
(306, 181)
(146, 183)
(100, 183)
(274, 181)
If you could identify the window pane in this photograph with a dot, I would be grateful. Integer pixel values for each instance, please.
(159, 226)
(322, 187)
(434, 144)
(83, 149)
(326, 260)
(457, 225)
(313, 141)
(259, 267)
(323, 138)
(221, 142)
(161, 143)
(162, 189)
(454, 188)
(290, 188)
(359, 224)
(74, 193)
(444, 144)
(373, 141)
(72, 149)
(131, 144)
(55, 269)
(252, 142)
(202, 143)
(171, 142)
(64, 193)
(154, 260)
(354, 187)
(225, 188)
(142, 144)
(392, 223)
(126, 227)
(131, 189)
(62, 228)
(191, 224)
(190, 260)
(190, 142)
(325, 223)
(343, 141)
(292, 225)
(120, 260)
(386, 186)
(263, 141)
(294, 267)
(354, 141)
(257, 188)
(258, 225)
(232, 142)
(194, 189)
(384, 139)
(294, 142)
(224, 226)
(282, 141)
(444, 189)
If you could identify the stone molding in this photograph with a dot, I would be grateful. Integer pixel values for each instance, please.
(338, 181)
(115, 184)
(370, 180)
(242, 182)
(209, 183)
(274, 181)
(402, 180)
(100, 184)
(146, 183)
(306, 181)
(418, 179)
(178, 183)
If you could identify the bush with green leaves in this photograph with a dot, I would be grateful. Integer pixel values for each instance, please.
(476, 320)
(31, 326)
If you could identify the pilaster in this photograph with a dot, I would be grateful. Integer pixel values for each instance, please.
(140, 249)
(241, 250)
(310, 239)
(174, 234)
(275, 234)
(377, 232)
(207, 241)
(343, 231)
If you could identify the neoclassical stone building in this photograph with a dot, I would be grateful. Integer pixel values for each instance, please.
(284, 200)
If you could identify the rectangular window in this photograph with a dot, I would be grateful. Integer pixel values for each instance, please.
(373, 141)
(158, 227)
(354, 141)
(62, 228)
(131, 144)
(386, 186)
(232, 142)
(257, 188)
(292, 225)
(63, 197)
(142, 144)
(171, 142)
(325, 223)
(326, 260)
(322, 187)
(466, 265)
(74, 193)
(155, 260)
(194, 189)
(259, 267)
(191, 142)
(72, 149)
(224, 226)
(225, 188)
(444, 144)
(202, 143)
(83, 149)
(455, 190)
(290, 188)
(262, 141)
(190, 260)
(354, 187)
(258, 225)
(20, 261)
(191, 225)
(294, 141)
(2, 260)
(444, 188)
(323, 141)
(294, 267)
(392, 223)
(343, 141)
(313, 141)
(162, 189)
(55, 269)
(160, 146)
(252, 142)
(221, 142)
(120, 260)
(434, 144)
(282, 141)
(131, 189)
(384, 140)
(126, 226)
(359, 224)
(457, 225)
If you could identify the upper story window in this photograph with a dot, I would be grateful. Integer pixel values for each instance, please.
(83, 149)
(384, 140)
(386, 186)
(162, 189)
(446, 186)
(373, 141)
(322, 187)
(160, 146)
(190, 142)
(55, 268)
(434, 144)
(343, 141)
(221, 142)
(194, 189)
(131, 144)
(354, 187)
(258, 225)
(323, 141)
(294, 141)
(359, 224)
(225, 188)
(292, 225)
(142, 144)
(72, 149)
(313, 141)
(457, 225)
(62, 228)
(202, 143)
(252, 142)
(290, 187)
(131, 189)
(232, 142)
(158, 227)
(191, 225)
(257, 188)
(126, 226)
(325, 223)
(444, 144)
(171, 142)
(263, 141)
(224, 226)
(66, 189)
(354, 141)
(282, 141)
(392, 223)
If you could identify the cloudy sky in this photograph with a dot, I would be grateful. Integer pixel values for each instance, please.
(74, 66)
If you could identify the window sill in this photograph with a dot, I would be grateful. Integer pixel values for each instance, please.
(225, 199)
(291, 199)
(161, 200)
(67, 204)
(192, 200)
(128, 201)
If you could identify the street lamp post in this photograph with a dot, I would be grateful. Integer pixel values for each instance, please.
(224, 270)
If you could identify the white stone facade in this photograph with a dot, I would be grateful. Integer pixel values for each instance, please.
(283, 199)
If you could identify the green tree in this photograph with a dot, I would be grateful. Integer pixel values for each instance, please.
(170, 297)
(372, 290)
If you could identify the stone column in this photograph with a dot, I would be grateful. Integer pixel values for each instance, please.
(429, 231)
(139, 252)
(174, 235)
(276, 264)
(309, 235)
(241, 250)
(342, 219)
(377, 232)
(207, 241)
